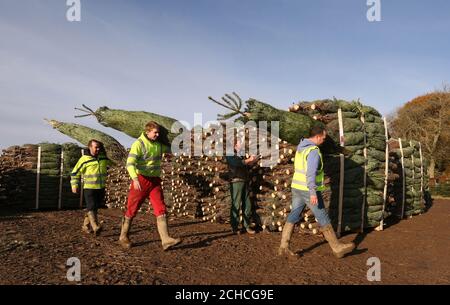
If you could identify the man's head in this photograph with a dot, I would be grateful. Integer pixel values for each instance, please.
(152, 130)
(95, 147)
(317, 134)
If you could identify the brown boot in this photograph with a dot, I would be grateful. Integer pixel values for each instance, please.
(123, 239)
(166, 240)
(285, 239)
(85, 228)
(339, 249)
(99, 225)
(93, 222)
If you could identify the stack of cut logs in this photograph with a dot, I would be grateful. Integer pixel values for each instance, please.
(198, 186)
(18, 179)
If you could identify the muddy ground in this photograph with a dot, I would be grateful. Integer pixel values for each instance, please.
(35, 246)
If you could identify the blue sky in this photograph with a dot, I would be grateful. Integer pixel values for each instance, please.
(168, 56)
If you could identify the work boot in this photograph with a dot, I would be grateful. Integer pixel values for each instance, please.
(93, 222)
(166, 240)
(100, 227)
(250, 230)
(236, 231)
(339, 249)
(85, 228)
(123, 239)
(285, 239)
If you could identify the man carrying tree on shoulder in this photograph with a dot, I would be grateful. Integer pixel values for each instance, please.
(144, 167)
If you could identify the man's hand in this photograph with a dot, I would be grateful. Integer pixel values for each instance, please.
(251, 160)
(313, 199)
(74, 189)
(136, 185)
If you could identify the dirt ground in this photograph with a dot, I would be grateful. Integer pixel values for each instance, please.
(34, 248)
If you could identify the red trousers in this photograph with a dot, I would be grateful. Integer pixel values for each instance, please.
(151, 188)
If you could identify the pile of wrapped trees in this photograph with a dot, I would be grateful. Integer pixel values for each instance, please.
(441, 189)
(358, 183)
(194, 186)
(197, 186)
(357, 134)
(38, 176)
(408, 192)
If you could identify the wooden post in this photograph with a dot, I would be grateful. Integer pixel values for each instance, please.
(341, 194)
(413, 189)
(38, 174)
(341, 173)
(363, 205)
(341, 128)
(403, 179)
(386, 173)
(61, 180)
(81, 185)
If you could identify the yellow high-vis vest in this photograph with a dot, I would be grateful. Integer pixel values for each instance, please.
(145, 158)
(93, 171)
(299, 181)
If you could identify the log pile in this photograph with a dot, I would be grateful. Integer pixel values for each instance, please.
(19, 175)
(197, 185)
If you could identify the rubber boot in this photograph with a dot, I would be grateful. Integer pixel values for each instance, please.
(250, 230)
(166, 240)
(339, 249)
(285, 239)
(123, 239)
(100, 227)
(93, 222)
(85, 228)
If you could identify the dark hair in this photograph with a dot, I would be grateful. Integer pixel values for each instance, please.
(94, 141)
(100, 144)
(316, 129)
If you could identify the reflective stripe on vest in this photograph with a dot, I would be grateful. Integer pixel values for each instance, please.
(147, 161)
(92, 170)
(300, 180)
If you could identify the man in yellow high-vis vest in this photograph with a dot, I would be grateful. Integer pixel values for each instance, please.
(307, 186)
(144, 167)
(92, 166)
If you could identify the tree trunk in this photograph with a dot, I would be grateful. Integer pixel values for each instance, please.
(431, 168)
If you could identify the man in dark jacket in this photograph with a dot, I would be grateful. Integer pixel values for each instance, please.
(240, 195)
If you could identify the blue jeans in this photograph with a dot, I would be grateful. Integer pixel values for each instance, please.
(300, 199)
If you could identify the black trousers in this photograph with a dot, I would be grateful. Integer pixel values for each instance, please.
(94, 199)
